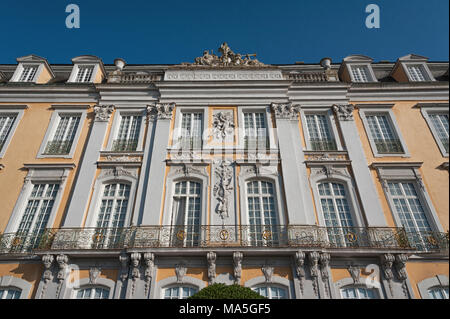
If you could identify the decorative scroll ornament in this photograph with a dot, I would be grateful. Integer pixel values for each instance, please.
(47, 276)
(300, 269)
(94, 272)
(223, 125)
(268, 272)
(227, 59)
(149, 260)
(324, 266)
(344, 111)
(400, 266)
(103, 112)
(211, 257)
(387, 260)
(62, 261)
(124, 259)
(180, 271)
(223, 187)
(285, 111)
(135, 273)
(314, 270)
(163, 111)
(355, 272)
(237, 263)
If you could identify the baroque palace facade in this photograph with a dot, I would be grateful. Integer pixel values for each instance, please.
(315, 181)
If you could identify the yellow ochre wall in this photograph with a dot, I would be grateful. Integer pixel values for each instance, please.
(422, 147)
(23, 149)
(28, 272)
(419, 271)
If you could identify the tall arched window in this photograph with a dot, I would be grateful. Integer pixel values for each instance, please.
(336, 212)
(186, 213)
(262, 213)
(112, 213)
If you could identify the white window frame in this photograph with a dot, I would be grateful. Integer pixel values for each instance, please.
(426, 112)
(349, 282)
(387, 110)
(437, 281)
(69, 289)
(75, 291)
(268, 174)
(76, 69)
(402, 174)
(269, 126)
(268, 286)
(97, 195)
(180, 286)
(356, 287)
(331, 126)
(16, 283)
(158, 290)
(122, 111)
(21, 67)
(426, 71)
(60, 110)
(370, 74)
(341, 176)
(177, 132)
(39, 173)
(18, 111)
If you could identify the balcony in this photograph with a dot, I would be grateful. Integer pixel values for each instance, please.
(237, 236)
(58, 147)
(124, 145)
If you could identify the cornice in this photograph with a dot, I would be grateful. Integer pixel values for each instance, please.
(49, 165)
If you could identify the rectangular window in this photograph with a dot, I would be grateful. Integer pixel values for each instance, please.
(35, 217)
(6, 123)
(384, 137)
(411, 213)
(64, 135)
(84, 73)
(28, 73)
(128, 135)
(360, 73)
(416, 72)
(319, 132)
(191, 130)
(441, 126)
(255, 131)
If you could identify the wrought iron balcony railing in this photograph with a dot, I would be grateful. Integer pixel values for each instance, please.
(58, 147)
(124, 145)
(323, 144)
(256, 236)
(389, 146)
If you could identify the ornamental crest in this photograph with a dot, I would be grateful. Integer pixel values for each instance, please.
(226, 59)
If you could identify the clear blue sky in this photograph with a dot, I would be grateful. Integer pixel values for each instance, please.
(175, 31)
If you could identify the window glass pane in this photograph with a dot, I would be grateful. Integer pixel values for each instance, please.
(6, 123)
(416, 72)
(360, 73)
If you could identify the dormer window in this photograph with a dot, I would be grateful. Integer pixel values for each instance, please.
(412, 68)
(84, 73)
(416, 72)
(357, 69)
(87, 69)
(32, 69)
(28, 73)
(360, 73)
